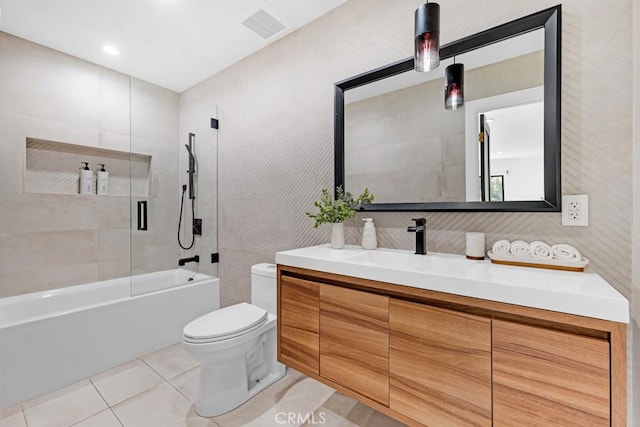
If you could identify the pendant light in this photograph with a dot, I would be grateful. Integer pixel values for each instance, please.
(454, 89)
(427, 33)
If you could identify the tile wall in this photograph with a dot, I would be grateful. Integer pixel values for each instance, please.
(52, 241)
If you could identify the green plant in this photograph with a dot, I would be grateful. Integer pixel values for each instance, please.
(340, 209)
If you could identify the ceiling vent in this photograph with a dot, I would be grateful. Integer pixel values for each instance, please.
(263, 24)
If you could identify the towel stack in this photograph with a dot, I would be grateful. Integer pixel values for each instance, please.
(537, 250)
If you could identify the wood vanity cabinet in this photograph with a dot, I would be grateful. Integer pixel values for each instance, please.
(435, 359)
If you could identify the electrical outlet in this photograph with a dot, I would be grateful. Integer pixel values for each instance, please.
(575, 210)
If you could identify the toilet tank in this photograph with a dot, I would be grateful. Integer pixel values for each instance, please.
(263, 287)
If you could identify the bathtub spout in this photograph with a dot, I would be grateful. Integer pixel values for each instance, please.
(183, 261)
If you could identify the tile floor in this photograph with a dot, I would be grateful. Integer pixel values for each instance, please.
(158, 390)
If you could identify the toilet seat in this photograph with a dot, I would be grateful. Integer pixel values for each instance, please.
(226, 323)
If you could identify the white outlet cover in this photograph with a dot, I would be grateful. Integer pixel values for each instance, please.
(582, 218)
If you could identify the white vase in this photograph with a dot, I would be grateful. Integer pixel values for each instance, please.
(337, 236)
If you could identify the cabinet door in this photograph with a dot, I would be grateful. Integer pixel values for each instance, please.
(544, 377)
(298, 315)
(354, 340)
(440, 365)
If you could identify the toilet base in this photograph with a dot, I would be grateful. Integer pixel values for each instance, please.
(211, 404)
(230, 379)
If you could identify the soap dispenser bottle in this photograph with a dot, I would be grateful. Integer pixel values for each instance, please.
(102, 183)
(369, 240)
(86, 179)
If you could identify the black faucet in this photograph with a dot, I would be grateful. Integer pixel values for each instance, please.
(421, 236)
(183, 261)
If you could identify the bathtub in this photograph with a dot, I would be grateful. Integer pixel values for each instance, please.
(54, 338)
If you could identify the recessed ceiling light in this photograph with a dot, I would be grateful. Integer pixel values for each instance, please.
(498, 153)
(111, 50)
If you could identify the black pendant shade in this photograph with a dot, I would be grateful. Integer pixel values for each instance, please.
(454, 89)
(427, 37)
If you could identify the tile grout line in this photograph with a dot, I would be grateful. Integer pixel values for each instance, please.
(151, 367)
(186, 397)
(109, 407)
(177, 389)
(132, 396)
(100, 394)
(116, 415)
(99, 412)
(24, 415)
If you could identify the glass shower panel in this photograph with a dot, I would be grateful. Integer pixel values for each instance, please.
(159, 170)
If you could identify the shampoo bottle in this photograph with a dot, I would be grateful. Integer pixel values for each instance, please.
(86, 179)
(369, 240)
(102, 183)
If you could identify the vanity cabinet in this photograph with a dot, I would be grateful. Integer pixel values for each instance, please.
(354, 340)
(440, 365)
(430, 358)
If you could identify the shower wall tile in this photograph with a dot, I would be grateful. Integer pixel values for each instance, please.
(113, 269)
(61, 240)
(164, 160)
(48, 249)
(113, 244)
(11, 172)
(113, 212)
(112, 141)
(161, 257)
(16, 127)
(154, 113)
(113, 102)
(45, 212)
(33, 280)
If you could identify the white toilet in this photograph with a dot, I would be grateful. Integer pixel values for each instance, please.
(236, 347)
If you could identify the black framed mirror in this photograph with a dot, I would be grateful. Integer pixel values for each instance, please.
(394, 136)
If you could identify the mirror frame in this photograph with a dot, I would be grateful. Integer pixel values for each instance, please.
(550, 20)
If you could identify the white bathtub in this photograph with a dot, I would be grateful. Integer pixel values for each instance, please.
(53, 338)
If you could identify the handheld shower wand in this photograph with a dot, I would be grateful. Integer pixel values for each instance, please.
(192, 163)
(192, 170)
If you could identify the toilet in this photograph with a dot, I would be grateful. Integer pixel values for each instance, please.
(236, 347)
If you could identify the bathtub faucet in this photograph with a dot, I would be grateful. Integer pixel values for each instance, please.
(183, 261)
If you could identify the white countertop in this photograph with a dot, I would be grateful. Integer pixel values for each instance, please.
(584, 294)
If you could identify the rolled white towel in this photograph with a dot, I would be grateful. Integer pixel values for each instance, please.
(566, 252)
(540, 250)
(501, 247)
(519, 247)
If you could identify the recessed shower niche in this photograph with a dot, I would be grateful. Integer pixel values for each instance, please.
(52, 168)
